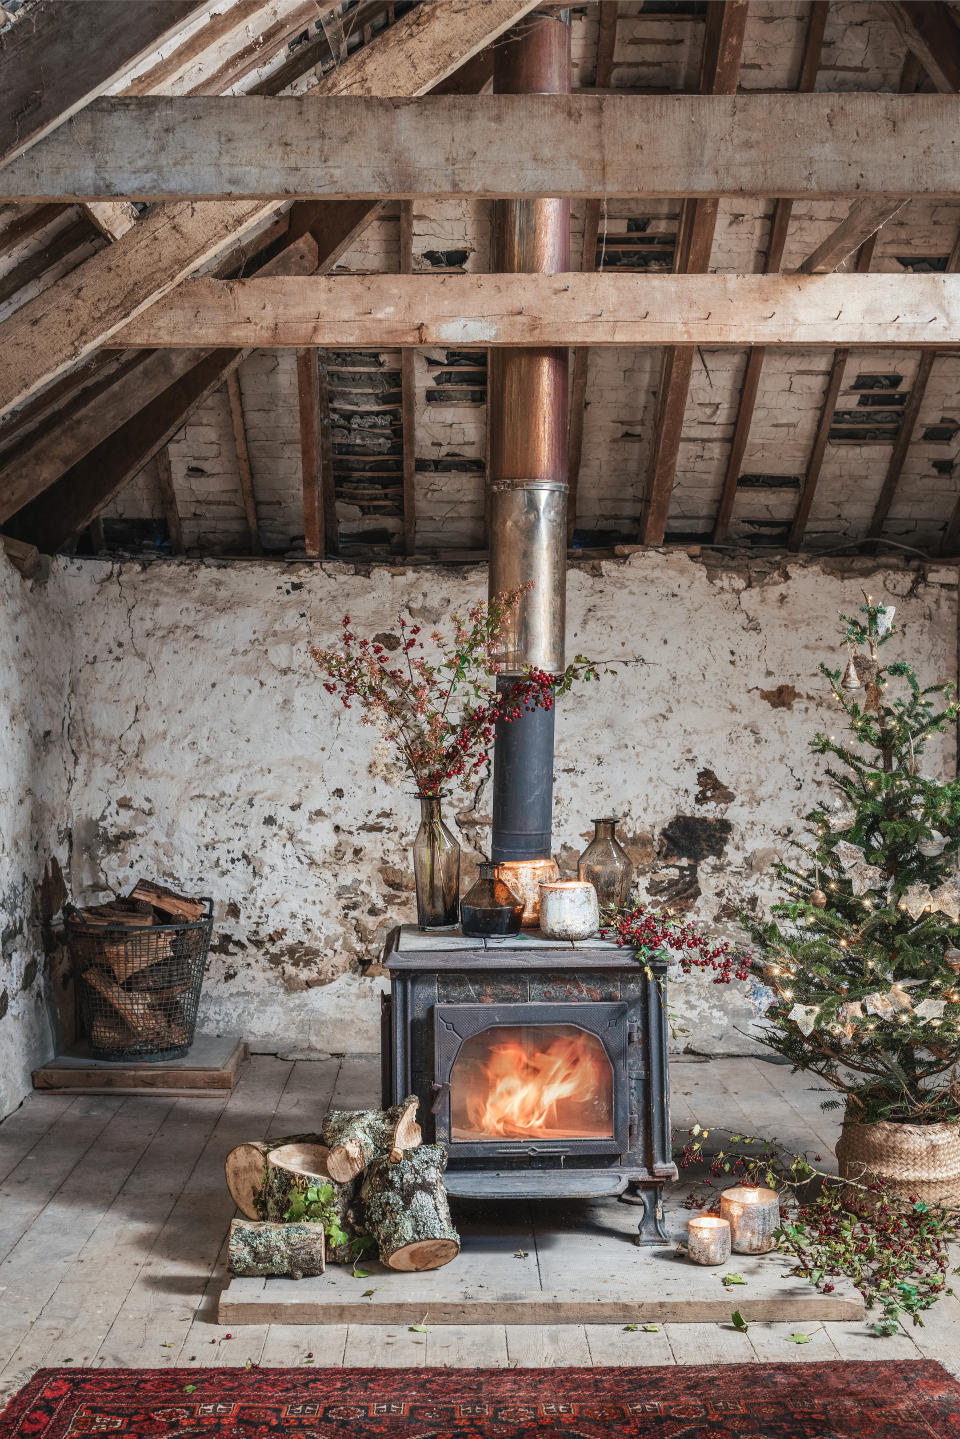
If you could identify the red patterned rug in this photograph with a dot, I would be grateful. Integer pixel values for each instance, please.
(896, 1400)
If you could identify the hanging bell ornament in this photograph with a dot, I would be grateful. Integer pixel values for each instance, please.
(952, 957)
(818, 898)
(851, 680)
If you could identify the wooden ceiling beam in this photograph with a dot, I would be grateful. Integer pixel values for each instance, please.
(60, 54)
(81, 311)
(865, 218)
(473, 311)
(719, 74)
(244, 469)
(254, 150)
(608, 16)
(811, 478)
(930, 31)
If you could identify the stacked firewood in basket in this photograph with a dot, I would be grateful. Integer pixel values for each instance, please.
(138, 968)
(366, 1180)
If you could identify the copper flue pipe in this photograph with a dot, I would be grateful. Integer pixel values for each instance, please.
(527, 448)
(527, 465)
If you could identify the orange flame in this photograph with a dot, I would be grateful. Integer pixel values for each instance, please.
(558, 1089)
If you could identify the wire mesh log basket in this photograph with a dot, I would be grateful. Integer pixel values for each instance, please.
(138, 982)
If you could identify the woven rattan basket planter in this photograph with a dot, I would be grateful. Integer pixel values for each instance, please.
(919, 1161)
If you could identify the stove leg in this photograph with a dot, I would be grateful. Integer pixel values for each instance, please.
(650, 1199)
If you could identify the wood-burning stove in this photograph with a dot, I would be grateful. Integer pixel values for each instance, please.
(540, 1065)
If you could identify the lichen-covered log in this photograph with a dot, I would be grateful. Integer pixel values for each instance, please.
(258, 1249)
(355, 1136)
(405, 1209)
(244, 1168)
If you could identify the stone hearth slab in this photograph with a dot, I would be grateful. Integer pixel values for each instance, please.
(544, 1263)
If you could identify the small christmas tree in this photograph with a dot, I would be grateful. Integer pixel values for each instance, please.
(858, 970)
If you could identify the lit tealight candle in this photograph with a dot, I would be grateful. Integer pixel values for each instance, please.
(753, 1214)
(568, 909)
(708, 1239)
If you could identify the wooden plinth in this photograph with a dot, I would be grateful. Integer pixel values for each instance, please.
(208, 1070)
(545, 1264)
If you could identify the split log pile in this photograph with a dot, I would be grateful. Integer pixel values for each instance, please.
(137, 977)
(381, 1185)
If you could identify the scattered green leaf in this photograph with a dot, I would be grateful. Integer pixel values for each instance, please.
(189, 1388)
(729, 1279)
(651, 1329)
(739, 1322)
(520, 1254)
(419, 1329)
(356, 1273)
(799, 1338)
(631, 1328)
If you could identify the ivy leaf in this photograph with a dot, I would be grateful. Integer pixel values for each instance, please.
(651, 1329)
(729, 1279)
(356, 1273)
(189, 1388)
(631, 1328)
(419, 1329)
(738, 1321)
(798, 1338)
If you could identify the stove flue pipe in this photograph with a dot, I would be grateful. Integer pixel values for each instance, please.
(527, 465)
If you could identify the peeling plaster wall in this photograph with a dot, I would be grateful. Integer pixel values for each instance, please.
(36, 765)
(209, 755)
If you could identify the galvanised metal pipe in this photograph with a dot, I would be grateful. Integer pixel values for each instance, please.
(527, 465)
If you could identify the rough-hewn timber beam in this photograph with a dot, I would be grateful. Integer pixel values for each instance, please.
(865, 218)
(313, 527)
(269, 148)
(81, 311)
(474, 311)
(719, 74)
(930, 30)
(60, 54)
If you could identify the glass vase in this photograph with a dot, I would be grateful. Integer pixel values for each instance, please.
(436, 868)
(606, 865)
(490, 908)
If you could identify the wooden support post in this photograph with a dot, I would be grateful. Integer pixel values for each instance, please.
(719, 72)
(606, 44)
(242, 452)
(408, 382)
(827, 410)
(328, 493)
(168, 499)
(308, 400)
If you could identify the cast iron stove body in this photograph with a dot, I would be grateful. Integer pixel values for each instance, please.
(540, 1066)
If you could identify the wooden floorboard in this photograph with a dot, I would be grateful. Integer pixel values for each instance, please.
(113, 1217)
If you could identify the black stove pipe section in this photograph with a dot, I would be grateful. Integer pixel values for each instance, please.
(527, 496)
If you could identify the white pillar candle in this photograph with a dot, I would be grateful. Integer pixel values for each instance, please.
(753, 1214)
(568, 909)
(708, 1240)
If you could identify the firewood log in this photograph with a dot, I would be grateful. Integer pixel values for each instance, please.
(171, 907)
(255, 1250)
(135, 1012)
(355, 1136)
(405, 1209)
(264, 1176)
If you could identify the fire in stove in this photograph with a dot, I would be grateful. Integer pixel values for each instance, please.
(532, 1082)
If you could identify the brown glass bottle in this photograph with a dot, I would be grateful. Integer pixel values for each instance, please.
(606, 865)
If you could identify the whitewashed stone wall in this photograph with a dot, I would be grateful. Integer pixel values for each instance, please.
(36, 764)
(209, 756)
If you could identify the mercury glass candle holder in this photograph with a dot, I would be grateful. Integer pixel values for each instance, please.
(524, 876)
(753, 1214)
(569, 909)
(708, 1239)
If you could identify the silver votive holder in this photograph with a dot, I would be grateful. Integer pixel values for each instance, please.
(753, 1214)
(708, 1240)
(568, 909)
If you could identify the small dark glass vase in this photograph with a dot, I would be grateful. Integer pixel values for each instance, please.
(436, 868)
(490, 908)
(606, 865)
